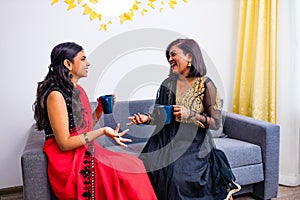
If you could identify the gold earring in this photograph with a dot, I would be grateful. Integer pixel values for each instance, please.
(189, 64)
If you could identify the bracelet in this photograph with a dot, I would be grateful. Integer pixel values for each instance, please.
(86, 139)
(200, 124)
(206, 121)
(149, 119)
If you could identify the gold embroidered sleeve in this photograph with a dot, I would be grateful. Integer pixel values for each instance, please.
(218, 104)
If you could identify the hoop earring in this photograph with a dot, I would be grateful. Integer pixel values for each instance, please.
(189, 64)
(70, 76)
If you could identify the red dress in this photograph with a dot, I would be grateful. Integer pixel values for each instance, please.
(93, 172)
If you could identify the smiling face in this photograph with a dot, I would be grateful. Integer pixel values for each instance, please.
(179, 61)
(79, 68)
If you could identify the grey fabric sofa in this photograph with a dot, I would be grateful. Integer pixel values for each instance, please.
(251, 146)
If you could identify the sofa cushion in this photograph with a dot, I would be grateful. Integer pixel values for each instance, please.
(239, 153)
(217, 133)
(249, 174)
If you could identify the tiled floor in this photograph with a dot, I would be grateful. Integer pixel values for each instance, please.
(284, 193)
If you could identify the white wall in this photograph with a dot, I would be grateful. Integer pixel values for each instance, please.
(288, 104)
(30, 29)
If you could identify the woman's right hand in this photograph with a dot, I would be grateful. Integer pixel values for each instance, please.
(181, 112)
(116, 136)
(138, 119)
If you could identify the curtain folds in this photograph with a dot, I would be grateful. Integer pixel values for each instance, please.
(255, 81)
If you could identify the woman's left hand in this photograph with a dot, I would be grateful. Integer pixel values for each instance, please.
(181, 112)
(116, 136)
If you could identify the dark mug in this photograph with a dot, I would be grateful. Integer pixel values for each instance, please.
(107, 102)
(166, 112)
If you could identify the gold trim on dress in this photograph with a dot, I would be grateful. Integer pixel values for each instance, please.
(192, 99)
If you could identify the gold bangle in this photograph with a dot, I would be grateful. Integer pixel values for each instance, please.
(200, 124)
(86, 139)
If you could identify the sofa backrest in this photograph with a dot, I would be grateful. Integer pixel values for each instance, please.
(121, 111)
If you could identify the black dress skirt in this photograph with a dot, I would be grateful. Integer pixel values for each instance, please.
(181, 159)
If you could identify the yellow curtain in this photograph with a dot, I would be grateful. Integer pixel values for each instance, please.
(255, 81)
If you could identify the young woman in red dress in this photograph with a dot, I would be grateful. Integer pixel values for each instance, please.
(78, 167)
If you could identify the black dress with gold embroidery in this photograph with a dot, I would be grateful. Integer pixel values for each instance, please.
(177, 155)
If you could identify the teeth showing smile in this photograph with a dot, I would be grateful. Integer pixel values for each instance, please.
(173, 64)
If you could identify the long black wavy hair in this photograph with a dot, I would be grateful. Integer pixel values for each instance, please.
(58, 76)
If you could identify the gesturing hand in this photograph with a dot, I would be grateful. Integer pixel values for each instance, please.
(137, 119)
(116, 136)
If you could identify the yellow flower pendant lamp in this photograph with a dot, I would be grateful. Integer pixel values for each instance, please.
(124, 9)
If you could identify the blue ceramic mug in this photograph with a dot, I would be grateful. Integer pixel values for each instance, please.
(107, 102)
(166, 112)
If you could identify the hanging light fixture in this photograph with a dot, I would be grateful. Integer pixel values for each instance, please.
(125, 9)
(111, 8)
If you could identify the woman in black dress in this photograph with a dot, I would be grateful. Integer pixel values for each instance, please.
(180, 157)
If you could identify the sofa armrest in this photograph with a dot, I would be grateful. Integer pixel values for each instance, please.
(34, 167)
(267, 136)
